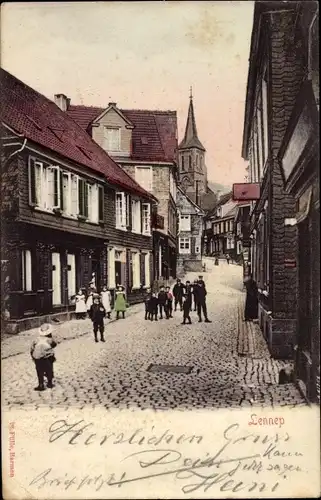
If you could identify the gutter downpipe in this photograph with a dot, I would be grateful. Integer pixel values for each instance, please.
(15, 152)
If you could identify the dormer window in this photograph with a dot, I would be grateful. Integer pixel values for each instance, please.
(112, 139)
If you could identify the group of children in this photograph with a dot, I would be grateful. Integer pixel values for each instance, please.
(98, 306)
(183, 295)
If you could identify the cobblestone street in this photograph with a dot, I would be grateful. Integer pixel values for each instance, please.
(114, 374)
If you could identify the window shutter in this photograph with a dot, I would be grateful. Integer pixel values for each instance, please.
(123, 209)
(80, 196)
(141, 217)
(142, 258)
(85, 199)
(129, 212)
(100, 203)
(57, 180)
(61, 187)
(32, 182)
(74, 195)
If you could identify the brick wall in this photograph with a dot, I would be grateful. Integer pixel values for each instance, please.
(287, 71)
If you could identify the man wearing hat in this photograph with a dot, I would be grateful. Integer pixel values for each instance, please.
(42, 353)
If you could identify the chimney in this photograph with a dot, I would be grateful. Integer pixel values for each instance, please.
(62, 101)
(112, 104)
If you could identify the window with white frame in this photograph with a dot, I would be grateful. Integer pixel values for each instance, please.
(146, 218)
(184, 245)
(26, 270)
(144, 177)
(51, 187)
(121, 210)
(239, 247)
(93, 202)
(231, 225)
(66, 193)
(112, 139)
(136, 269)
(136, 216)
(185, 222)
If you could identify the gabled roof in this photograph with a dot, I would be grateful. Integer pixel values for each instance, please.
(189, 200)
(41, 121)
(154, 136)
(223, 199)
(191, 139)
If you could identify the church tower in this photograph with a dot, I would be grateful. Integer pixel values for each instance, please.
(191, 160)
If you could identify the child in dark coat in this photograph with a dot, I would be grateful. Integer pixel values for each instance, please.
(148, 305)
(169, 303)
(153, 304)
(97, 313)
(186, 309)
(162, 302)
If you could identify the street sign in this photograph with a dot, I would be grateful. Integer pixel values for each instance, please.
(246, 191)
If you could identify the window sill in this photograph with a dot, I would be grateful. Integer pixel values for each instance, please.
(121, 228)
(146, 234)
(64, 215)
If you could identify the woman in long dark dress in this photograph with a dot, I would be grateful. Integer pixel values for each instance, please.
(251, 302)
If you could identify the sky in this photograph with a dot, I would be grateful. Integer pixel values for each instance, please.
(141, 55)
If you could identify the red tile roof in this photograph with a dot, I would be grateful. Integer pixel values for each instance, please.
(41, 121)
(154, 136)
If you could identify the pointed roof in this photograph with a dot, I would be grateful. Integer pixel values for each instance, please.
(191, 139)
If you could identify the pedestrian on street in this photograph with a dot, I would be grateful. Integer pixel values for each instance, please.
(186, 310)
(194, 293)
(251, 302)
(162, 299)
(169, 303)
(97, 314)
(148, 304)
(228, 258)
(178, 292)
(106, 300)
(81, 307)
(42, 353)
(201, 302)
(201, 281)
(120, 301)
(153, 307)
(188, 293)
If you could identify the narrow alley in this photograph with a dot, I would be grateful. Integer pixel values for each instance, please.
(159, 365)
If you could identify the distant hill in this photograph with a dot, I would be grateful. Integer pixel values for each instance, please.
(214, 186)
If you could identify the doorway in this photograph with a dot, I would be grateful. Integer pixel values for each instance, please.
(96, 274)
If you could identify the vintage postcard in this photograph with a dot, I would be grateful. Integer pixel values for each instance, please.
(160, 250)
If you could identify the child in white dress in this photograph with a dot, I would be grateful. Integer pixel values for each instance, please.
(106, 300)
(81, 308)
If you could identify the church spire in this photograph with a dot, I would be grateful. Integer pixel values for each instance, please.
(191, 139)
